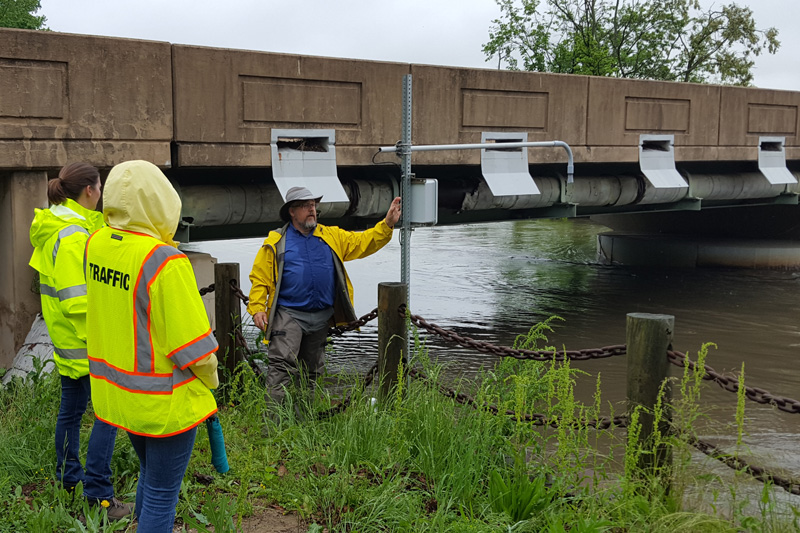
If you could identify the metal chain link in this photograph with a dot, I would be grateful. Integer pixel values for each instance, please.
(355, 324)
(536, 419)
(344, 404)
(731, 384)
(737, 463)
(505, 351)
(238, 292)
(206, 290)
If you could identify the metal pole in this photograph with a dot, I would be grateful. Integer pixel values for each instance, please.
(496, 146)
(405, 195)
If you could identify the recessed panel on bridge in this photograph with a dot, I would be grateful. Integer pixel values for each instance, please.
(620, 110)
(454, 105)
(228, 101)
(67, 97)
(33, 91)
(746, 114)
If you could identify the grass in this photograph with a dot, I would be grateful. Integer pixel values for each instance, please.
(418, 461)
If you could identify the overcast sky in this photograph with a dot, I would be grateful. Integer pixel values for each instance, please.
(435, 32)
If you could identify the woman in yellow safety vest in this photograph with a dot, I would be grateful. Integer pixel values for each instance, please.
(151, 352)
(59, 236)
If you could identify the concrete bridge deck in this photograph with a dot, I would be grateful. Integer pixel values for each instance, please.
(207, 116)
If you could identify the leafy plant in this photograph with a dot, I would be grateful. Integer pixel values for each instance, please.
(517, 495)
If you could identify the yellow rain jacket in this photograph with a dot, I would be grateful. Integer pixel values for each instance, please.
(151, 350)
(58, 236)
(345, 245)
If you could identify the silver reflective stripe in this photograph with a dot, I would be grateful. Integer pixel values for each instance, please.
(138, 383)
(190, 353)
(141, 303)
(72, 292)
(47, 290)
(71, 353)
(63, 234)
(63, 294)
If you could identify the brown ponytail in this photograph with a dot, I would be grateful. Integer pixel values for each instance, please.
(72, 179)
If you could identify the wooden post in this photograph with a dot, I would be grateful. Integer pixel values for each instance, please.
(227, 314)
(392, 335)
(648, 339)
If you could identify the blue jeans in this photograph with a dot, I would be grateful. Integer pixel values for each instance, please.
(162, 465)
(97, 479)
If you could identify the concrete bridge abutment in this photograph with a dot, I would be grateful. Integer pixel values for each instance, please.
(20, 193)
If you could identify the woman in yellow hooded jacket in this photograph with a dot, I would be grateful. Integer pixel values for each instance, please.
(59, 236)
(151, 352)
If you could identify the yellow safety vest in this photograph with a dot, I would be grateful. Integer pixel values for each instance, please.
(59, 236)
(148, 325)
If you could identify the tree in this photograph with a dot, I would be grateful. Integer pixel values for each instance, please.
(20, 14)
(672, 40)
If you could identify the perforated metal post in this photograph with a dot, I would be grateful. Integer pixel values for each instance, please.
(405, 195)
(405, 188)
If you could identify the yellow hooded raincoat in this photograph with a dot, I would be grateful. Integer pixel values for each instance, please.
(151, 351)
(58, 236)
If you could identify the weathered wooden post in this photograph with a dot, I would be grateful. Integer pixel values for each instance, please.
(392, 334)
(227, 313)
(648, 339)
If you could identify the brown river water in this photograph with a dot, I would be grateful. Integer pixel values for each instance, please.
(494, 281)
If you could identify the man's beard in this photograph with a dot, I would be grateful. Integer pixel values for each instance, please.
(309, 225)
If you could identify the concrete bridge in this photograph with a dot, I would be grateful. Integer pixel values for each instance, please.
(232, 128)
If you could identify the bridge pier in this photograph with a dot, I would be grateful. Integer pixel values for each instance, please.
(671, 251)
(20, 193)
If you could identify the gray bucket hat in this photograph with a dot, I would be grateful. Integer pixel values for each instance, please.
(296, 194)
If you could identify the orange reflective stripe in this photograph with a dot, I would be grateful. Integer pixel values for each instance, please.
(160, 436)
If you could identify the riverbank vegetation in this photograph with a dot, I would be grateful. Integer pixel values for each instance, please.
(417, 461)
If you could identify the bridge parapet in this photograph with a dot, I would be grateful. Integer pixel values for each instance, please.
(67, 97)
(104, 100)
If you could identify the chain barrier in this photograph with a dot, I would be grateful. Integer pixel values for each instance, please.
(536, 419)
(340, 330)
(731, 384)
(206, 290)
(344, 404)
(505, 351)
(621, 421)
(737, 463)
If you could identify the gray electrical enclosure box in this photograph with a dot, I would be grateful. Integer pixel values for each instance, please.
(424, 208)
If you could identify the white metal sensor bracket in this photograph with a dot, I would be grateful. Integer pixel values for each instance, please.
(772, 160)
(657, 162)
(307, 158)
(506, 169)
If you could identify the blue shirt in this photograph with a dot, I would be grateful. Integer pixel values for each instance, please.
(308, 281)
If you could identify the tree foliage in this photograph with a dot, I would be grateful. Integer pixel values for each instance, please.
(674, 40)
(20, 14)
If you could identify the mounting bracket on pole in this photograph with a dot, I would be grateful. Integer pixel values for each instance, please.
(772, 160)
(657, 162)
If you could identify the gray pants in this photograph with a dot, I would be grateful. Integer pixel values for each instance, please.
(293, 355)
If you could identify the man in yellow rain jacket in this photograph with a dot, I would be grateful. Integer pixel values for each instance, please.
(300, 287)
(151, 351)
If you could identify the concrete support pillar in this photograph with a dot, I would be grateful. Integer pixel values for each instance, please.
(20, 193)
